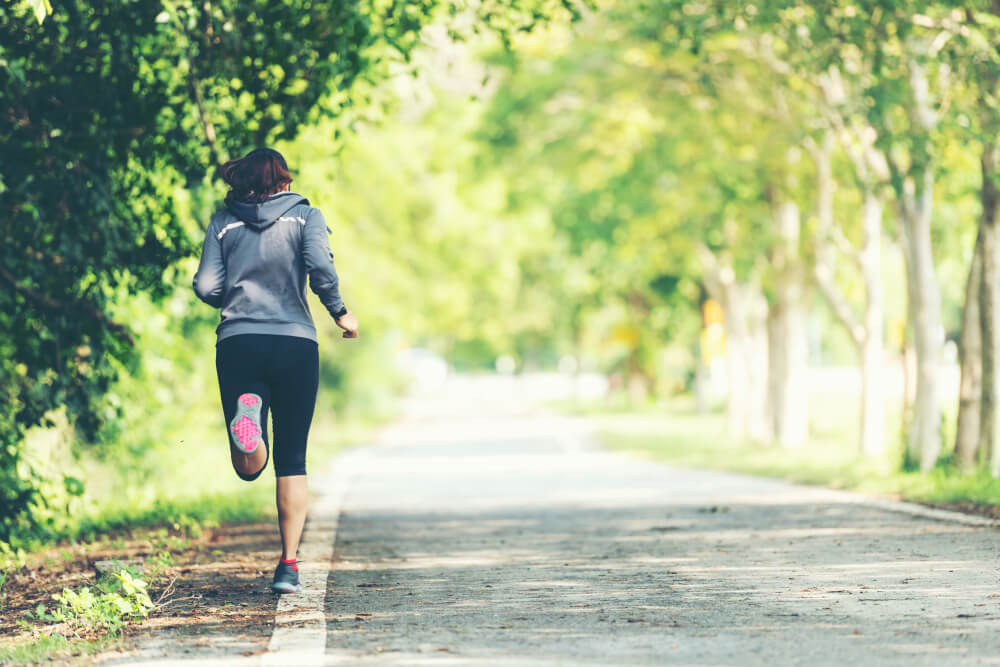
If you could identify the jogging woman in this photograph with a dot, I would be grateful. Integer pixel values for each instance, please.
(257, 253)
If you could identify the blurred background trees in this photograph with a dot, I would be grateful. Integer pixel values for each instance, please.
(846, 115)
(720, 200)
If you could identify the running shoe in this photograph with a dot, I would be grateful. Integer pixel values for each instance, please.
(245, 428)
(286, 578)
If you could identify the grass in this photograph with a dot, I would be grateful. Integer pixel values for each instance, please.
(186, 477)
(48, 649)
(205, 488)
(676, 434)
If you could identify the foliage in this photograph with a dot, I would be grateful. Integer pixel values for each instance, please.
(88, 181)
(93, 215)
(654, 130)
(409, 260)
(639, 159)
(4, 575)
(11, 558)
(116, 602)
(40, 8)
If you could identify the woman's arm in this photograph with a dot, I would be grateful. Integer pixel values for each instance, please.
(323, 277)
(210, 279)
(318, 258)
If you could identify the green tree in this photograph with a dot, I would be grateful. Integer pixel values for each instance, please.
(109, 108)
(640, 161)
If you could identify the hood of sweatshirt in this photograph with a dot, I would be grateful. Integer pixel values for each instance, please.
(261, 215)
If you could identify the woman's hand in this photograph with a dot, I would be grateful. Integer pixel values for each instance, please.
(349, 324)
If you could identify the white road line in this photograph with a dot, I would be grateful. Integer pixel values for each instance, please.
(300, 621)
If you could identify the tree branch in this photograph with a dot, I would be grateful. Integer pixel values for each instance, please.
(845, 246)
(195, 85)
(838, 302)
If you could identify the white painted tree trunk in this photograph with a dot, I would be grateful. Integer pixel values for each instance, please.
(915, 198)
(743, 320)
(758, 425)
(915, 204)
(745, 313)
(788, 347)
(788, 341)
(720, 282)
(775, 369)
(872, 353)
(701, 388)
(737, 351)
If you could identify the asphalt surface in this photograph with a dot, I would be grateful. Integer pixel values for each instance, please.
(484, 532)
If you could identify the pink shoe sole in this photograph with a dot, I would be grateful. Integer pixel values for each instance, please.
(245, 428)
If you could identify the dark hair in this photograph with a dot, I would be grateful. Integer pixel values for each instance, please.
(256, 176)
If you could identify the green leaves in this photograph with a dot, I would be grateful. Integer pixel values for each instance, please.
(111, 107)
(40, 8)
(107, 610)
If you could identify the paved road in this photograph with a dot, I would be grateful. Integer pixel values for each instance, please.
(486, 532)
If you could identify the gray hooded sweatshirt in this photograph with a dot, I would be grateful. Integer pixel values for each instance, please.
(254, 265)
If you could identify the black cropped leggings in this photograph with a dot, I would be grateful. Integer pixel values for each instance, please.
(284, 372)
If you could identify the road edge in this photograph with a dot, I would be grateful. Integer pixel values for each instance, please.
(923, 511)
(299, 637)
(586, 439)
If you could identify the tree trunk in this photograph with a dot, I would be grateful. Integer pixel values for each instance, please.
(970, 388)
(908, 364)
(915, 203)
(701, 387)
(988, 307)
(871, 352)
(720, 282)
(758, 424)
(744, 312)
(788, 345)
(736, 353)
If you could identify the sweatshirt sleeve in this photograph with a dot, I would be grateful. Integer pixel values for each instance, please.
(210, 278)
(318, 260)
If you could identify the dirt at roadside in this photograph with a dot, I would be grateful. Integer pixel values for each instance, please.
(210, 590)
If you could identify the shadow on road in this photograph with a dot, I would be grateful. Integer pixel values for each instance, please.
(672, 582)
